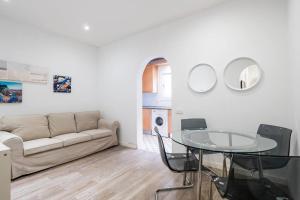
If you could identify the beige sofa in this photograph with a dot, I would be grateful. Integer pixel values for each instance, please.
(38, 142)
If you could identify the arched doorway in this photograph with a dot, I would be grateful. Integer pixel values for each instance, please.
(156, 105)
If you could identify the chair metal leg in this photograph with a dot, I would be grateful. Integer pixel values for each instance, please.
(172, 188)
(210, 191)
(224, 172)
(185, 173)
(189, 184)
(188, 178)
(260, 168)
(184, 178)
(191, 179)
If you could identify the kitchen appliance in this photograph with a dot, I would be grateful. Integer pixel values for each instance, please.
(160, 120)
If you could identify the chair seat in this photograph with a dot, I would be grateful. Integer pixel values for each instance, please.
(41, 145)
(252, 162)
(180, 162)
(73, 138)
(98, 133)
(250, 189)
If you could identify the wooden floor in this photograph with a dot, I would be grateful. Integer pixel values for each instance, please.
(115, 174)
(151, 144)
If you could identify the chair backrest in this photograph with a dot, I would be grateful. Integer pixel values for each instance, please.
(281, 135)
(193, 124)
(162, 149)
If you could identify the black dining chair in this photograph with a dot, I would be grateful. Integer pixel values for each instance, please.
(177, 162)
(199, 124)
(193, 124)
(280, 184)
(282, 137)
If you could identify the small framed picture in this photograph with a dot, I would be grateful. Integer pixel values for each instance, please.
(10, 92)
(62, 84)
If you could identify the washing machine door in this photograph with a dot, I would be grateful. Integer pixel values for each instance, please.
(159, 121)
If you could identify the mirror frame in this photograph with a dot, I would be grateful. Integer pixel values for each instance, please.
(190, 73)
(235, 89)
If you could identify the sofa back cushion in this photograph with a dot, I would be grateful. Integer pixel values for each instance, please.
(61, 123)
(28, 127)
(87, 120)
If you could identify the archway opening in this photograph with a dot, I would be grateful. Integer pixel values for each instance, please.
(156, 105)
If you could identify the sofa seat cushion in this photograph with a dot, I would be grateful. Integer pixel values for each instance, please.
(41, 145)
(73, 138)
(87, 120)
(61, 123)
(28, 127)
(98, 133)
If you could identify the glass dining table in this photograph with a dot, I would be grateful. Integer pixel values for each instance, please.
(220, 142)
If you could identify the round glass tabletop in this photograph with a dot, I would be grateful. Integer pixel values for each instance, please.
(222, 141)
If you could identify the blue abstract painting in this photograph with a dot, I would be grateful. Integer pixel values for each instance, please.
(10, 92)
(62, 84)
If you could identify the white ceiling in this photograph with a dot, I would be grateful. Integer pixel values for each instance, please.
(109, 19)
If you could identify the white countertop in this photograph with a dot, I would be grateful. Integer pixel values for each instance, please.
(157, 107)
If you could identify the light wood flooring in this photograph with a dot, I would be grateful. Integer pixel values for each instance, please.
(118, 173)
(151, 143)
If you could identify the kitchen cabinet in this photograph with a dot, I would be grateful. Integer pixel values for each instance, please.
(5, 172)
(150, 79)
(147, 120)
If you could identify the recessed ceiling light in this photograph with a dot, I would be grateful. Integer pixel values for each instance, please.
(86, 27)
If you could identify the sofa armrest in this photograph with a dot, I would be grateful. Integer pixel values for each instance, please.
(14, 142)
(112, 125)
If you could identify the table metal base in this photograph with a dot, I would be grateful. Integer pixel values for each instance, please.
(198, 182)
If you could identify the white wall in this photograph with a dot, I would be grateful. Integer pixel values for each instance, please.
(256, 29)
(24, 44)
(294, 41)
(294, 52)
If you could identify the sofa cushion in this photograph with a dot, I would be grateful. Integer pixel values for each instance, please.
(87, 120)
(28, 127)
(73, 138)
(41, 145)
(61, 123)
(98, 133)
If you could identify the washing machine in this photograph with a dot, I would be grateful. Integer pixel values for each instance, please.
(160, 120)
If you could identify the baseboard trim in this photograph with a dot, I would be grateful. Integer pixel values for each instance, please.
(129, 145)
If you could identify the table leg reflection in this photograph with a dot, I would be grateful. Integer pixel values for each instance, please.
(199, 176)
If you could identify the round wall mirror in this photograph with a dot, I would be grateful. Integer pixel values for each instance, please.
(242, 74)
(202, 78)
